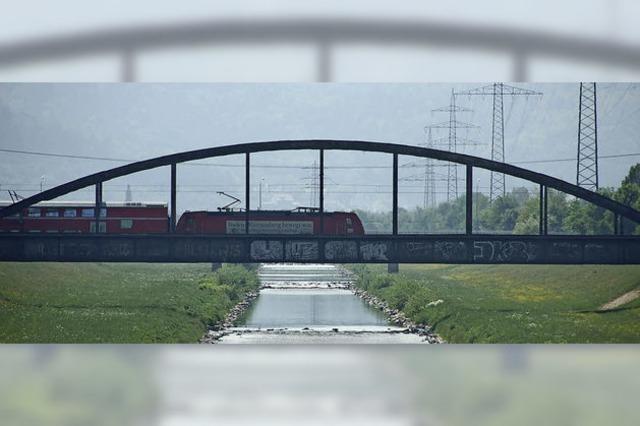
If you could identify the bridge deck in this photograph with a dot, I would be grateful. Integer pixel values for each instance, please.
(476, 248)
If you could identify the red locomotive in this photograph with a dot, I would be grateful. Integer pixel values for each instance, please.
(152, 218)
(79, 217)
(298, 221)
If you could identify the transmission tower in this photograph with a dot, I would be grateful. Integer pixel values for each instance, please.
(498, 91)
(587, 173)
(128, 197)
(314, 185)
(452, 141)
(429, 200)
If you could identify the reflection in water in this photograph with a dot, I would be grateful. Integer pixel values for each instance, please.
(310, 308)
(312, 304)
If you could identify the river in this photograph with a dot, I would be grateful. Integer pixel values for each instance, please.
(312, 304)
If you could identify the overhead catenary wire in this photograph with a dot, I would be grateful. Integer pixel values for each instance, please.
(284, 166)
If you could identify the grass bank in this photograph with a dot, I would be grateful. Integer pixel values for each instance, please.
(115, 303)
(512, 303)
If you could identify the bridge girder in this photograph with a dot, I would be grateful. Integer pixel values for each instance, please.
(451, 249)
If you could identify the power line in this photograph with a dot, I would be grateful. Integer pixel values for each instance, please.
(275, 166)
(275, 187)
(122, 160)
(279, 192)
(560, 160)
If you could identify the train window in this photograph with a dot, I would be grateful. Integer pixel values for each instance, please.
(34, 212)
(349, 222)
(103, 212)
(88, 213)
(126, 223)
(102, 228)
(51, 213)
(70, 212)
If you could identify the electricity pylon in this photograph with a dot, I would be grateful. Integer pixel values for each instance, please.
(314, 185)
(498, 91)
(429, 200)
(452, 125)
(587, 170)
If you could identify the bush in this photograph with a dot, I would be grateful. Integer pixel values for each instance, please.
(224, 288)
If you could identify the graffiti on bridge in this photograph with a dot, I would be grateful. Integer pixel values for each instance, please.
(372, 251)
(302, 250)
(429, 249)
(341, 250)
(505, 251)
(267, 250)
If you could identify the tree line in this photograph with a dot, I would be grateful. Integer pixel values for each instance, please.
(517, 212)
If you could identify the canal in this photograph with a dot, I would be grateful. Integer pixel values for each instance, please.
(312, 304)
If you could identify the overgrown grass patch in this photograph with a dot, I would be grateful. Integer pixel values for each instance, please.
(116, 303)
(512, 303)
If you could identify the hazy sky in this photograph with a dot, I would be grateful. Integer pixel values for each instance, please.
(146, 120)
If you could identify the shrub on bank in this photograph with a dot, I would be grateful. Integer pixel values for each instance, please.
(401, 293)
(224, 289)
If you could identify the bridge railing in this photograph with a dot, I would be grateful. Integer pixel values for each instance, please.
(324, 35)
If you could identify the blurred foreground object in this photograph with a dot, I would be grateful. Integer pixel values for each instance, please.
(289, 41)
(408, 385)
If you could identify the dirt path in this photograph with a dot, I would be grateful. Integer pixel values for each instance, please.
(622, 300)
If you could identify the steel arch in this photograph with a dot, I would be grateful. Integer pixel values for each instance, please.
(323, 144)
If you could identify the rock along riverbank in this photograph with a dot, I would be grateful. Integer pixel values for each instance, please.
(394, 317)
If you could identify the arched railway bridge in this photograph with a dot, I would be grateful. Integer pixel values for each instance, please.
(468, 247)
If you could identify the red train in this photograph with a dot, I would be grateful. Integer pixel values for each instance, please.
(152, 218)
(299, 221)
(79, 217)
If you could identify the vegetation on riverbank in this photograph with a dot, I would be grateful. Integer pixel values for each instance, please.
(512, 303)
(116, 303)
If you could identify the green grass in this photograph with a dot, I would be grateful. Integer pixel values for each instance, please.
(513, 304)
(115, 303)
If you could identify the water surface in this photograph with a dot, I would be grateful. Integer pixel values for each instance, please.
(311, 304)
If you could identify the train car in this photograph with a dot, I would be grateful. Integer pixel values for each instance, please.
(79, 217)
(298, 221)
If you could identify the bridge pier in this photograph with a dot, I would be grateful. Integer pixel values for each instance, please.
(393, 268)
